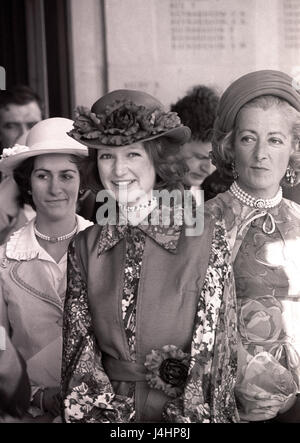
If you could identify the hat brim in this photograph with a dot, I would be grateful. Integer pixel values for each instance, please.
(176, 136)
(8, 164)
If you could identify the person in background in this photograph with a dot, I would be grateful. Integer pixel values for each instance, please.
(256, 140)
(148, 320)
(20, 109)
(197, 110)
(33, 262)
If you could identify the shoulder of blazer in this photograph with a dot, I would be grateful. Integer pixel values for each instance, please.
(86, 242)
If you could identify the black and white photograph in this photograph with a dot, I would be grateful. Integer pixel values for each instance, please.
(150, 214)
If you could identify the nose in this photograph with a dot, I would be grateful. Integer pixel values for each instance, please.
(23, 129)
(120, 167)
(54, 186)
(21, 134)
(204, 165)
(260, 150)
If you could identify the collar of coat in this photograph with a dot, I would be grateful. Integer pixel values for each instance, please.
(165, 233)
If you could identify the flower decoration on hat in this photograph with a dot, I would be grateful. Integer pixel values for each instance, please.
(17, 149)
(122, 123)
(167, 369)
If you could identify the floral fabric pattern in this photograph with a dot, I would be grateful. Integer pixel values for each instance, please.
(267, 270)
(208, 395)
(135, 241)
(87, 392)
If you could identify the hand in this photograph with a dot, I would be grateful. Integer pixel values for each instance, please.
(51, 401)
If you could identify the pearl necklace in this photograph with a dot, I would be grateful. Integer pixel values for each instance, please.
(55, 239)
(258, 203)
(138, 207)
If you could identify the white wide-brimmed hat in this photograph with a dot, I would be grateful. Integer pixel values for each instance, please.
(46, 137)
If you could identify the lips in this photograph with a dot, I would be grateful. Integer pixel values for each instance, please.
(259, 168)
(122, 183)
(56, 201)
(196, 175)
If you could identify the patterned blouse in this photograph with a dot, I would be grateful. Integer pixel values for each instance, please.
(267, 275)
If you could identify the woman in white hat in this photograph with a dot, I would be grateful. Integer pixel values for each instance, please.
(148, 315)
(33, 261)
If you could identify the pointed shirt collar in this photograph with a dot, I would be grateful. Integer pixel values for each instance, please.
(166, 236)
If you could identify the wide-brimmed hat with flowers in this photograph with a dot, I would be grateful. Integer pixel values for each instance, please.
(46, 137)
(125, 116)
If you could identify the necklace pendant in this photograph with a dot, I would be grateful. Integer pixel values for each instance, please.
(259, 203)
(53, 240)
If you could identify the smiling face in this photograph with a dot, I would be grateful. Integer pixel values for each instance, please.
(126, 171)
(263, 144)
(55, 182)
(196, 156)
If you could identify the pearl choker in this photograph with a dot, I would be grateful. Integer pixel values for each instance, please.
(137, 207)
(258, 203)
(55, 239)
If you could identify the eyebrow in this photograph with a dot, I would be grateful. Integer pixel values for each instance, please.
(254, 132)
(48, 170)
(248, 130)
(277, 132)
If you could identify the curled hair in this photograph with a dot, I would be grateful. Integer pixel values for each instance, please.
(22, 176)
(166, 160)
(198, 110)
(223, 143)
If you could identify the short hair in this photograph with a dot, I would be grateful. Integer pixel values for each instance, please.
(22, 176)
(166, 158)
(20, 95)
(198, 110)
(223, 143)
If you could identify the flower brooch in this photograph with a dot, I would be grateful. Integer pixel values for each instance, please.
(167, 369)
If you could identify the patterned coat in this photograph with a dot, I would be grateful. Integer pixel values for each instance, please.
(185, 298)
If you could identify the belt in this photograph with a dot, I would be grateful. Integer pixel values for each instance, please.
(123, 370)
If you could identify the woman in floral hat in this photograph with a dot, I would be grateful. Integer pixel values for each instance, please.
(256, 141)
(33, 262)
(149, 316)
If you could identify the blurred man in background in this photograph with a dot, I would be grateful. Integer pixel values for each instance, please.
(20, 109)
(197, 110)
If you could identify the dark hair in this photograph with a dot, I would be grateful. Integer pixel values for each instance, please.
(198, 110)
(166, 159)
(22, 176)
(20, 95)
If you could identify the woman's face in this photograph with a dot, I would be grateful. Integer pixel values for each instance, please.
(263, 144)
(126, 171)
(55, 182)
